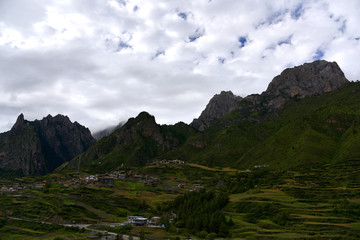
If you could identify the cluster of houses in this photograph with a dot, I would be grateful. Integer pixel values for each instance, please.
(262, 166)
(15, 187)
(109, 179)
(100, 179)
(104, 179)
(175, 162)
(143, 221)
(197, 187)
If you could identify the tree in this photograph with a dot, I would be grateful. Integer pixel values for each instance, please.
(200, 211)
(211, 236)
(48, 183)
(231, 222)
(142, 234)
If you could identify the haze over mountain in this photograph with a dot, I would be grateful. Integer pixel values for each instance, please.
(107, 131)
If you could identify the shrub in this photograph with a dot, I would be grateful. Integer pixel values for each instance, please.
(202, 234)
(211, 236)
(281, 218)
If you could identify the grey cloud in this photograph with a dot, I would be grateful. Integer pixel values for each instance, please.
(21, 14)
(117, 60)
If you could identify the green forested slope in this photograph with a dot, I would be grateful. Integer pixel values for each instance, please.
(308, 132)
(135, 144)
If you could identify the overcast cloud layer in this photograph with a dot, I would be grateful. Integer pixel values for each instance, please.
(103, 61)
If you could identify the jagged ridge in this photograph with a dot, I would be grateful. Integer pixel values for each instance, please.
(137, 142)
(40, 146)
(235, 127)
(309, 79)
(235, 131)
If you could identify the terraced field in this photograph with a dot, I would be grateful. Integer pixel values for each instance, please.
(313, 203)
(317, 204)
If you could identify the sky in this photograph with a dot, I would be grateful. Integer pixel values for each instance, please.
(101, 62)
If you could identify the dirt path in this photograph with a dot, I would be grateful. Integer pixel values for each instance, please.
(212, 169)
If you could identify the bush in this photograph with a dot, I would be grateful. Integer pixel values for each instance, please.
(202, 234)
(2, 222)
(231, 222)
(281, 218)
(211, 236)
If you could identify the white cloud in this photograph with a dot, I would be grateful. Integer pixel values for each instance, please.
(101, 62)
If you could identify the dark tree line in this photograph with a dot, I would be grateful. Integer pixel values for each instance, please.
(200, 212)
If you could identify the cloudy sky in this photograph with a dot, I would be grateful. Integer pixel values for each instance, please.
(103, 61)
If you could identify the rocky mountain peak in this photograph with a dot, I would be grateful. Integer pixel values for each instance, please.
(306, 80)
(302, 81)
(40, 146)
(218, 106)
(137, 142)
(49, 119)
(62, 139)
(19, 122)
(144, 124)
(145, 116)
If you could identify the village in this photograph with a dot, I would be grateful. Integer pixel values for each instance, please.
(96, 179)
(107, 179)
(20, 188)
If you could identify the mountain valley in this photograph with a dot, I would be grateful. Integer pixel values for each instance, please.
(283, 164)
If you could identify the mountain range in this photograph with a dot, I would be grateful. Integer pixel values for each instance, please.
(307, 116)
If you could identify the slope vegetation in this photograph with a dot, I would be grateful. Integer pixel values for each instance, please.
(136, 143)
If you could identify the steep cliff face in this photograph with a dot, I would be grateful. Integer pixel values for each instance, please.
(61, 139)
(40, 146)
(20, 149)
(218, 106)
(307, 80)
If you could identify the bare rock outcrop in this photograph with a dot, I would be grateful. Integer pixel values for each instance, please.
(307, 80)
(218, 106)
(40, 146)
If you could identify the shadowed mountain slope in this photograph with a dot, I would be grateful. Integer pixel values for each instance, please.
(136, 143)
(40, 146)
